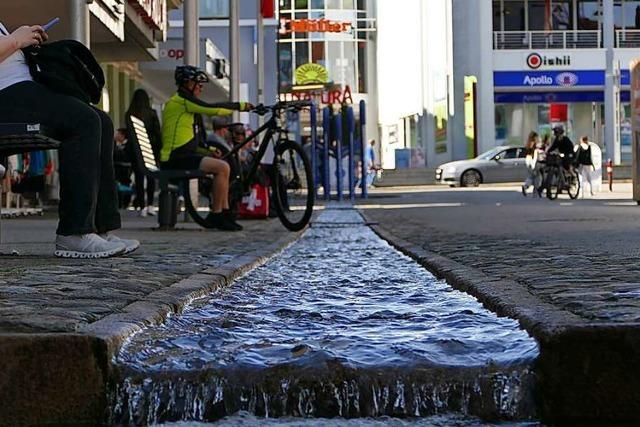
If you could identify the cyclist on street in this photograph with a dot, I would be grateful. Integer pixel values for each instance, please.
(183, 135)
(564, 145)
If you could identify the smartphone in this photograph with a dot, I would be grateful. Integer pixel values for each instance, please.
(50, 24)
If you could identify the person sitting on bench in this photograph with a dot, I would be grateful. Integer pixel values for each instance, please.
(88, 209)
(183, 133)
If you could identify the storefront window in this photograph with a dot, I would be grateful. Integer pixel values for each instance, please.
(537, 13)
(285, 65)
(302, 54)
(317, 4)
(285, 4)
(317, 53)
(333, 4)
(561, 15)
(214, 9)
(631, 12)
(302, 4)
(588, 14)
(362, 67)
(513, 15)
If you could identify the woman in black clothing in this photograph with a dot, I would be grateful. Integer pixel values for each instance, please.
(88, 209)
(140, 107)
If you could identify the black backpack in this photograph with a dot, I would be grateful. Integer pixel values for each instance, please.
(67, 67)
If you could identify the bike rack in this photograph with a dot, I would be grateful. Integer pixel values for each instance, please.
(334, 132)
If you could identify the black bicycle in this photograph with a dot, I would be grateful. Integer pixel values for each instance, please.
(289, 177)
(558, 179)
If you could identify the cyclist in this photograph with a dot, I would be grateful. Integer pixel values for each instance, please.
(183, 135)
(563, 145)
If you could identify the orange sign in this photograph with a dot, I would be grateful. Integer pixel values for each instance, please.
(288, 26)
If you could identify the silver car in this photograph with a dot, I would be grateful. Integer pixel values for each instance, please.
(500, 164)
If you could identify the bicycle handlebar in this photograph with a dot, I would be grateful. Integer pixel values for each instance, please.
(262, 109)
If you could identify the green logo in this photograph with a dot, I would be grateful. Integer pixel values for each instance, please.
(308, 74)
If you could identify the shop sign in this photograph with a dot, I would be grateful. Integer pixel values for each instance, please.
(288, 26)
(327, 97)
(554, 97)
(309, 74)
(153, 12)
(535, 61)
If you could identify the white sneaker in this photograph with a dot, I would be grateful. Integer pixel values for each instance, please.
(143, 212)
(151, 211)
(87, 246)
(129, 244)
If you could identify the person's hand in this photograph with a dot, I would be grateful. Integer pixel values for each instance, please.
(248, 106)
(26, 36)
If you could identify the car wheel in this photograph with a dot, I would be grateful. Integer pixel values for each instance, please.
(470, 178)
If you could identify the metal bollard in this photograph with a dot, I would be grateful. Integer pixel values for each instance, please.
(363, 147)
(314, 139)
(610, 173)
(350, 131)
(338, 138)
(326, 139)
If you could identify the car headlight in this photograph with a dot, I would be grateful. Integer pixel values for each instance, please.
(451, 169)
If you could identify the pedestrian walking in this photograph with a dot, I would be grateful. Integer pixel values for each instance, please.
(530, 150)
(88, 209)
(140, 107)
(586, 162)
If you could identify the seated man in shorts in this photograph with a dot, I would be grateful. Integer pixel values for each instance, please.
(183, 133)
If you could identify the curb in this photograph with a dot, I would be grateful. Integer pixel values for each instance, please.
(589, 373)
(62, 378)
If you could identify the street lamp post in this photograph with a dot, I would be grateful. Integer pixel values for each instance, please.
(79, 13)
(234, 53)
(191, 33)
(611, 101)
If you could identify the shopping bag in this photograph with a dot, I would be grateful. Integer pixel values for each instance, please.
(255, 205)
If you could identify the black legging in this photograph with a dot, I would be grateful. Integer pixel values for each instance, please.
(140, 202)
(88, 195)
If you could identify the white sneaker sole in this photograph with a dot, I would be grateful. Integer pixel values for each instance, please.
(87, 255)
(129, 250)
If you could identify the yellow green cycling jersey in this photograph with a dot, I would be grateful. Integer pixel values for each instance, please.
(180, 120)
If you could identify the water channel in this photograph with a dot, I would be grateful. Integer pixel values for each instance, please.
(340, 324)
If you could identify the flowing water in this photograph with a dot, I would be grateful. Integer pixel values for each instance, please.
(338, 325)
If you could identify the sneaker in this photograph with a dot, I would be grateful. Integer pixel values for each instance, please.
(221, 222)
(151, 211)
(87, 246)
(143, 213)
(130, 245)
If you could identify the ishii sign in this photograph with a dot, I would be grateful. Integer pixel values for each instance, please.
(288, 26)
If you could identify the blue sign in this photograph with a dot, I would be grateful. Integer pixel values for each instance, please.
(534, 79)
(554, 97)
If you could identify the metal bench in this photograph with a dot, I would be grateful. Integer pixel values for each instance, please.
(145, 160)
(16, 138)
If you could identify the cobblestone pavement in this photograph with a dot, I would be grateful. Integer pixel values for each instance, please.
(41, 293)
(579, 255)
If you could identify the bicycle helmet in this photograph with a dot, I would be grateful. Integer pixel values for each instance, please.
(188, 73)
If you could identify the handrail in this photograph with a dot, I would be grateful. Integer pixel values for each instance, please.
(628, 38)
(570, 39)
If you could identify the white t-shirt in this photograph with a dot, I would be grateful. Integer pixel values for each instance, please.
(14, 69)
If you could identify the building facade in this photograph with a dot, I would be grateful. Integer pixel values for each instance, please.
(326, 52)
(548, 62)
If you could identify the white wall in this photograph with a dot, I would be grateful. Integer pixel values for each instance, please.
(399, 60)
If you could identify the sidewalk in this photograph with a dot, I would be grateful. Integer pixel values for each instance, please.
(41, 293)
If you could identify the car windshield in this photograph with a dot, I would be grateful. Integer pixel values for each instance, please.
(488, 155)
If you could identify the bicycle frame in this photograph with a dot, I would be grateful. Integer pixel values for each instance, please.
(270, 127)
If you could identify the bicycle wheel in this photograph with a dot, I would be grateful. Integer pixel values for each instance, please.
(552, 184)
(574, 185)
(197, 200)
(292, 186)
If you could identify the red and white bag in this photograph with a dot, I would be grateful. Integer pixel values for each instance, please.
(255, 205)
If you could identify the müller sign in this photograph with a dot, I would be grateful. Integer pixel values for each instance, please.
(288, 26)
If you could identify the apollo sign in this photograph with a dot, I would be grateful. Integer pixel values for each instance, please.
(562, 79)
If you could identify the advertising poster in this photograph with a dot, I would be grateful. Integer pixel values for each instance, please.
(635, 126)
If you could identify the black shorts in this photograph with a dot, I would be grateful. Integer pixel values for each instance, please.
(190, 162)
